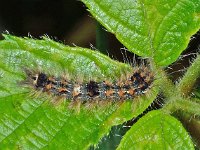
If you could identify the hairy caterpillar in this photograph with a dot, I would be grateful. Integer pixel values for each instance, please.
(136, 84)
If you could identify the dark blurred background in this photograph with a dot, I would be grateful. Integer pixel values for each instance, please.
(61, 19)
(68, 21)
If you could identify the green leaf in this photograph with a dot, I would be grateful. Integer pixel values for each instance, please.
(157, 130)
(29, 120)
(157, 29)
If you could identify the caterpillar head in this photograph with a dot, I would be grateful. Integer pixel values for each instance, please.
(39, 80)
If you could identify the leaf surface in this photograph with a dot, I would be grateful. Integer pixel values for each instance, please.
(157, 130)
(157, 29)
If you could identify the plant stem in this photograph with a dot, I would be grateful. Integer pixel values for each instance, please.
(189, 79)
(192, 125)
(101, 38)
(184, 106)
(165, 84)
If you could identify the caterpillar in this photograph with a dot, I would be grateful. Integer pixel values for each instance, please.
(136, 84)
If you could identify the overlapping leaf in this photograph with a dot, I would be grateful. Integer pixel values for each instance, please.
(157, 130)
(157, 29)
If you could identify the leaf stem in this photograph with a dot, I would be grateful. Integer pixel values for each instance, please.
(164, 83)
(192, 125)
(173, 99)
(186, 84)
(184, 106)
